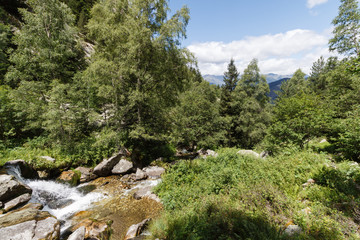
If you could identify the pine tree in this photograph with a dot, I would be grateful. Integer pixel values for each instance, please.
(231, 78)
(251, 103)
(47, 54)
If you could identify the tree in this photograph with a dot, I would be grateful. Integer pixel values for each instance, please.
(297, 83)
(251, 103)
(138, 68)
(296, 120)
(5, 42)
(47, 54)
(197, 121)
(346, 32)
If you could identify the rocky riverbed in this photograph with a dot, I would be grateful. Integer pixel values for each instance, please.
(82, 203)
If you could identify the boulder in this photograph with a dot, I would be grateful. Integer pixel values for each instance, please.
(16, 202)
(122, 167)
(29, 224)
(71, 177)
(11, 188)
(140, 175)
(79, 234)
(248, 152)
(136, 229)
(95, 229)
(205, 153)
(154, 172)
(87, 174)
(48, 158)
(292, 230)
(143, 192)
(104, 168)
(26, 170)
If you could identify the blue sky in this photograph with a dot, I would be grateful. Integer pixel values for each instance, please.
(283, 35)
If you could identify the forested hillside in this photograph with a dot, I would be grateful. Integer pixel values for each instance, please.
(80, 80)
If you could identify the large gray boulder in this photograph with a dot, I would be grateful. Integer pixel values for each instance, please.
(122, 167)
(26, 170)
(29, 224)
(249, 153)
(104, 168)
(154, 172)
(11, 188)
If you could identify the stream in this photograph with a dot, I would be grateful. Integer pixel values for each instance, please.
(105, 198)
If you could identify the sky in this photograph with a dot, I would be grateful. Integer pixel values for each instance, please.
(284, 35)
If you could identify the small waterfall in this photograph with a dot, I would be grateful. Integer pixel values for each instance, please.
(60, 200)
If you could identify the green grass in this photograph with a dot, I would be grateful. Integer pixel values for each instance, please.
(241, 197)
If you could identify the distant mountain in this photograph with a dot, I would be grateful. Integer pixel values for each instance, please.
(275, 86)
(214, 79)
(218, 79)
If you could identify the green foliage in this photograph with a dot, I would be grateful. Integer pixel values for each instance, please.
(241, 197)
(296, 120)
(197, 121)
(347, 140)
(294, 85)
(346, 31)
(251, 107)
(10, 123)
(5, 43)
(138, 68)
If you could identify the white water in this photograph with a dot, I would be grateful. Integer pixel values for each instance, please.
(60, 200)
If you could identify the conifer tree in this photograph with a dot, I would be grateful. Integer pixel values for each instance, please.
(251, 103)
(47, 52)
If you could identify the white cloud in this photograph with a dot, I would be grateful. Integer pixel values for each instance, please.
(312, 3)
(281, 53)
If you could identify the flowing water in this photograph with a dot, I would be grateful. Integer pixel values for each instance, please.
(60, 200)
(112, 200)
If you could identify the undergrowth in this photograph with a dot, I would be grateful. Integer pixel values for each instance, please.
(242, 197)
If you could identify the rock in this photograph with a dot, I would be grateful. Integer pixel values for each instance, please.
(292, 230)
(104, 168)
(79, 234)
(323, 141)
(264, 154)
(309, 182)
(16, 202)
(95, 229)
(48, 158)
(202, 153)
(140, 175)
(87, 174)
(60, 203)
(43, 174)
(136, 229)
(71, 177)
(122, 167)
(36, 206)
(143, 192)
(248, 152)
(29, 224)
(154, 197)
(154, 172)
(26, 171)
(11, 188)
